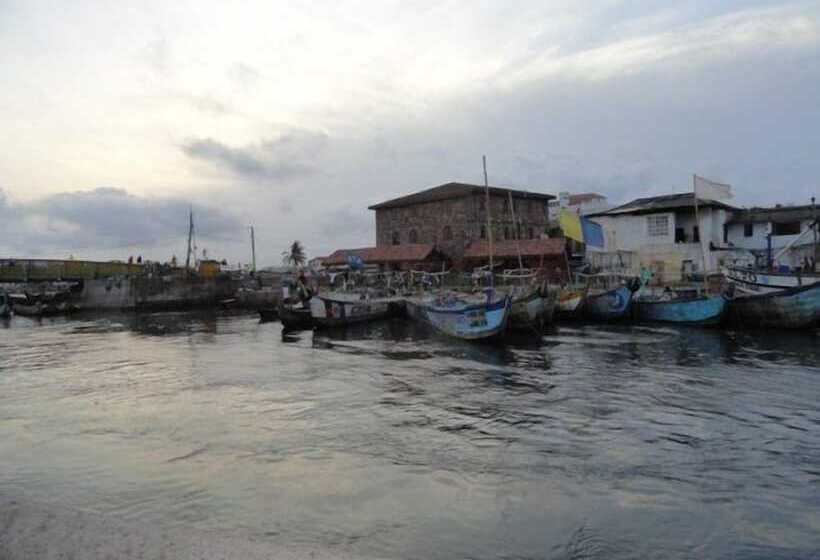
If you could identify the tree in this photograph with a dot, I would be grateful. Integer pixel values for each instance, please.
(295, 255)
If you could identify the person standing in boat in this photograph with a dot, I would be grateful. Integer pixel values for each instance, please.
(303, 291)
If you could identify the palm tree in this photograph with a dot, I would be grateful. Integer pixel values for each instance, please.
(295, 256)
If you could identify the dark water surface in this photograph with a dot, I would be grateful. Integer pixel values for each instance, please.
(594, 442)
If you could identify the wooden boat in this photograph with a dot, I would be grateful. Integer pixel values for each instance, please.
(609, 305)
(763, 281)
(267, 314)
(697, 310)
(45, 309)
(294, 317)
(531, 310)
(569, 302)
(5, 305)
(463, 317)
(344, 308)
(793, 308)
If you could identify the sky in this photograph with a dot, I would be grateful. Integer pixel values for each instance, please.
(117, 118)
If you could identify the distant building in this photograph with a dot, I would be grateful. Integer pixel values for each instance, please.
(453, 215)
(580, 203)
(749, 229)
(661, 233)
(547, 254)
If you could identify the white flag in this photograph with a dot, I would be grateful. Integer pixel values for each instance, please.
(709, 190)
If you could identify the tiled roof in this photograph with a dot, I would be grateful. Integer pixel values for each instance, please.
(529, 248)
(389, 253)
(777, 214)
(662, 203)
(455, 190)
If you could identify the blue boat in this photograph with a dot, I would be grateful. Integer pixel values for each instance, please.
(609, 306)
(793, 308)
(462, 318)
(698, 310)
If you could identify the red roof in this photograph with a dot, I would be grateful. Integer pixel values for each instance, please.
(580, 198)
(389, 253)
(529, 248)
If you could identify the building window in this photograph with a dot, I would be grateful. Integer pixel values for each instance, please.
(696, 234)
(530, 233)
(447, 233)
(748, 230)
(506, 207)
(657, 226)
(483, 232)
(482, 204)
(786, 228)
(414, 237)
(396, 238)
(680, 235)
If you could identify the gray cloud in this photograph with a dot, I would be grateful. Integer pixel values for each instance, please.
(108, 218)
(291, 155)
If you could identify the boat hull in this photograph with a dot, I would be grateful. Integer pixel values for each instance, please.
(470, 322)
(293, 318)
(757, 281)
(267, 314)
(532, 311)
(794, 308)
(608, 306)
(331, 312)
(703, 310)
(569, 303)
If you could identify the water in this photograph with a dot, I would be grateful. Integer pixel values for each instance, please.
(388, 441)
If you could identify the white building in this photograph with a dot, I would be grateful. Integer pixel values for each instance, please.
(660, 233)
(749, 229)
(581, 203)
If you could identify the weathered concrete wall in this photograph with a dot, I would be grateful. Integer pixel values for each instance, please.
(154, 292)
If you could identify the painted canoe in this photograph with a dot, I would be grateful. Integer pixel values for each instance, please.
(765, 281)
(267, 314)
(293, 317)
(40, 309)
(337, 310)
(610, 305)
(569, 302)
(531, 311)
(794, 308)
(701, 310)
(462, 318)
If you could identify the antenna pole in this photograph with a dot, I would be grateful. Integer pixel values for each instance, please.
(489, 220)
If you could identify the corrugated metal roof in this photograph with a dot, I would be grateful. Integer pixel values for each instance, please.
(454, 190)
(529, 248)
(776, 214)
(389, 253)
(661, 203)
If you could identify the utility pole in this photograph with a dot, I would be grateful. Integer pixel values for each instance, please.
(253, 251)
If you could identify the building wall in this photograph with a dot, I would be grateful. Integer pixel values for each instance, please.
(669, 261)
(465, 217)
(757, 242)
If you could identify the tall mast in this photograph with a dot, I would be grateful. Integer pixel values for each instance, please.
(700, 230)
(253, 251)
(816, 227)
(515, 231)
(489, 221)
(190, 237)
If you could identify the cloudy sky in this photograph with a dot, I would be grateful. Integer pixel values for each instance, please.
(294, 117)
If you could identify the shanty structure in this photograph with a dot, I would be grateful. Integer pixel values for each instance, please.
(549, 255)
(416, 256)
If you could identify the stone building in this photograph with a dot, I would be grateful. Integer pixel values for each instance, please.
(452, 215)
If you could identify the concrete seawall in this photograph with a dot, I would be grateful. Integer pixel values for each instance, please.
(30, 530)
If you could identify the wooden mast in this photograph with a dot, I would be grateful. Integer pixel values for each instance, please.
(489, 221)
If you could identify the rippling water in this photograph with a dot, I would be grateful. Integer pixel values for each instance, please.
(386, 440)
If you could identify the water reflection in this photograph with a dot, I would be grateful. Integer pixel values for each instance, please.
(386, 439)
